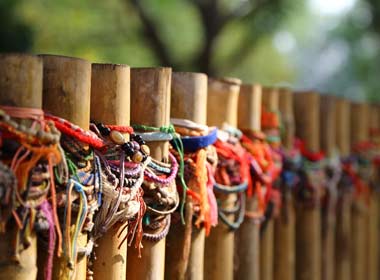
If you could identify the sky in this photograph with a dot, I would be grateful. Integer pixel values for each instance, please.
(331, 7)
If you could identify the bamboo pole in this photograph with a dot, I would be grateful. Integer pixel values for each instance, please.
(188, 101)
(359, 229)
(374, 215)
(150, 99)
(222, 105)
(110, 104)
(270, 103)
(308, 220)
(328, 145)
(248, 236)
(284, 227)
(66, 93)
(343, 218)
(21, 86)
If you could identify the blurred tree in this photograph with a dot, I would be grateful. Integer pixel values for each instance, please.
(253, 19)
(220, 37)
(14, 33)
(374, 6)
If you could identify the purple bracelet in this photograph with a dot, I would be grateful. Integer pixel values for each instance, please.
(155, 237)
(154, 178)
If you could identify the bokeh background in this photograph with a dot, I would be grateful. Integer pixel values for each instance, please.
(332, 46)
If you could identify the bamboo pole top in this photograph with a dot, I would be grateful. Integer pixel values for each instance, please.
(343, 126)
(287, 116)
(222, 101)
(359, 123)
(110, 93)
(20, 80)
(328, 124)
(270, 98)
(150, 96)
(189, 96)
(66, 88)
(374, 117)
(249, 107)
(150, 102)
(306, 105)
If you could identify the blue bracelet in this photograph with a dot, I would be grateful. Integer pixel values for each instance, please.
(239, 209)
(193, 143)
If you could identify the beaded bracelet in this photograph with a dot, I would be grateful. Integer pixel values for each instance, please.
(178, 145)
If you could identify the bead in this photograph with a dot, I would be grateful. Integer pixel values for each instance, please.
(135, 145)
(22, 128)
(139, 139)
(145, 149)
(13, 123)
(56, 138)
(152, 187)
(6, 118)
(105, 131)
(127, 147)
(50, 137)
(45, 138)
(170, 201)
(137, 157)
(117, 137)
(164, 201)
(39, 134)
(54, 129)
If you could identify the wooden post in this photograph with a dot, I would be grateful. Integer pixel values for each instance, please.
(343, 219)
(21, 86)
(373, 230)
(284, 227)
(150, 105)
(308, 220)
(359, 233)
(188, 101)
(270, 103)
(110, 104)
(286, 109)
(222, 105)
(328, 145)
(66, 93)
(247, 239)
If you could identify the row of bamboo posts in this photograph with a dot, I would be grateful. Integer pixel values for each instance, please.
(299, 243)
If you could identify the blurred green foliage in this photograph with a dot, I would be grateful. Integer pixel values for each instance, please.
(219, 37)
(15, 33)
(112, 31)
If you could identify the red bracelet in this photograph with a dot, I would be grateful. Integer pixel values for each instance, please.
(75, 131)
